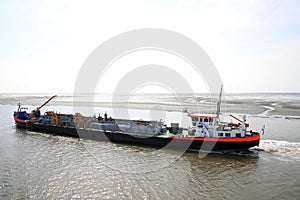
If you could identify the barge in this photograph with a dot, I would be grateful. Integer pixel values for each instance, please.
(207, 132)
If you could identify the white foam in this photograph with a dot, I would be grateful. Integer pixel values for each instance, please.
(284, 149)
(267, 110)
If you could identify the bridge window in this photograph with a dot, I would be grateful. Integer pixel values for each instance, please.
(205, 120)
(210, 119)
(238, 135)
(227, 134)
(220, 134)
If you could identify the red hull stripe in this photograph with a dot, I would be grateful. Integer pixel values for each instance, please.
(245, 139)
(19, 120)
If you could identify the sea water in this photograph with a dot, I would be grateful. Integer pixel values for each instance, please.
(41, 166)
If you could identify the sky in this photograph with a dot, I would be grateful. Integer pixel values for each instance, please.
(255, 45)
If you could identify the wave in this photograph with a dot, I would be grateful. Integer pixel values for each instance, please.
(267, 110)
(281, 149)
(272, 116)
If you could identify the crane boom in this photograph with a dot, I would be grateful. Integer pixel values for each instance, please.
(34, 112)
(246, 124)
(46, 102)
(236, 118)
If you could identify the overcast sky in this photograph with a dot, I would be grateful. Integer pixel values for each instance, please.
(255, 45)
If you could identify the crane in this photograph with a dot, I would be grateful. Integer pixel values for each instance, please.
(33, 113)
(246, 124)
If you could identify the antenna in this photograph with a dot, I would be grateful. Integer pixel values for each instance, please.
(19, 107)
(219, 102)
(185, 110)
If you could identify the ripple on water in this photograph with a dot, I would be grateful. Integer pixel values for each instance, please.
(41, 166)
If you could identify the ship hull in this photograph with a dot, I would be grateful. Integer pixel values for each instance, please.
(174, 142)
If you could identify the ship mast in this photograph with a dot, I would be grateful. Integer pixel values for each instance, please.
(219, 102)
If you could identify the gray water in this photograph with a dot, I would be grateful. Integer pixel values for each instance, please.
(41, 166)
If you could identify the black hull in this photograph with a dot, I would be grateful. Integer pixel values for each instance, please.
(119, 137)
